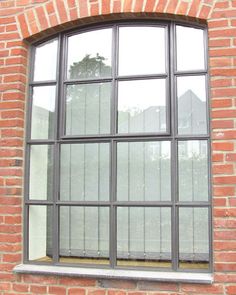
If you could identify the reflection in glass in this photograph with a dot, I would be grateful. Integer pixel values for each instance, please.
(193, 238)
(142, 106)
(192, 116)
(88, 109)
(41, 172)
(193, 170)
(141, 50)
(43, 109)
(89, 54)
(84, 235)
(85, 172)
(144, 236)
(40, 233)
(190, 48)
(45, 61)
(143, 171)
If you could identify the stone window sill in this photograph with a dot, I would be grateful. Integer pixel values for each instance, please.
(187, 277)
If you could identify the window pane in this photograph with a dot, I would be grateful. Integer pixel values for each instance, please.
(190, 48)
(144, 236)
(141, 50)
(40, 233)
(41, 172)
(46, 61)
(89, 54)
(143, 171)
(85, 172)
(84, 235)
(193, 170)
(43, 112)
(88, 109)
(142, 106)
(192, 115)
(193, 238)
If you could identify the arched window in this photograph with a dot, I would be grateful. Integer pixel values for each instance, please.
(118, 149)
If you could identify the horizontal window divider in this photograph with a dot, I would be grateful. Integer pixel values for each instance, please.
(192, 137)
(143, 203)
(142, 77)
(116, 203)
(83, 203)
(118, 137)
(190, 73)
(88, 81)
(43, 83)
(39, 202)
(193, 204)
(41, 141)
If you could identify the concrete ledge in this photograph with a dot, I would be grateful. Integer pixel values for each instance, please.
(187, 277)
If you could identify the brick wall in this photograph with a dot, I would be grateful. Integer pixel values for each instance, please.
(34, 19)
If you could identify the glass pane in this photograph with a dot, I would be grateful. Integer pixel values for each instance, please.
(85, 172)
(40, 233)
(41, 172)
(144, 236)
(43, 112)
(84, 235)
(45, 61)
(142, 106)
(143, 171)
(193, 238)
(193, 170)
(190, 48)
(88, 109)
(192, 116)
(141, 50)
(89, 54)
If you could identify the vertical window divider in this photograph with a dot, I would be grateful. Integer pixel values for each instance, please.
(174, 148)
(113, 209)
(59, 107)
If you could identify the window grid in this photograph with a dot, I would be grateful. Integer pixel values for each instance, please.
(114, 138)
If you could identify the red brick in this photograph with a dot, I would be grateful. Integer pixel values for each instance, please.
(42, 18)
(61, 11)
(149, 7)
(96, 292)
(224, 114)
(77, 281)
(212, 289)
(217, 157)
(76, 291)
(182, 9)
(225, 245)
(223, 191)
(224, 134)
(38, 289)
(57, 290)
(40, 279)
(23, 24)
(161, 5)
(223, 169)
(223, 146)
(222, 124)
(106, 6)
(231, 157)
(221, 103)
(204, 12)
(231, 290)
(20, 287)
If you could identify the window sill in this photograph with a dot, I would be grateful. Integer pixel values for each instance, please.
(187, 277)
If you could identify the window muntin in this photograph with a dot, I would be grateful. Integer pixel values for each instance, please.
(102, 175)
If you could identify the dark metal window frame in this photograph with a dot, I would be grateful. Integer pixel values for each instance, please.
(113, 138)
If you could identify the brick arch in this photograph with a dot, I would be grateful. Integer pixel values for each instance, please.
(52, 16)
